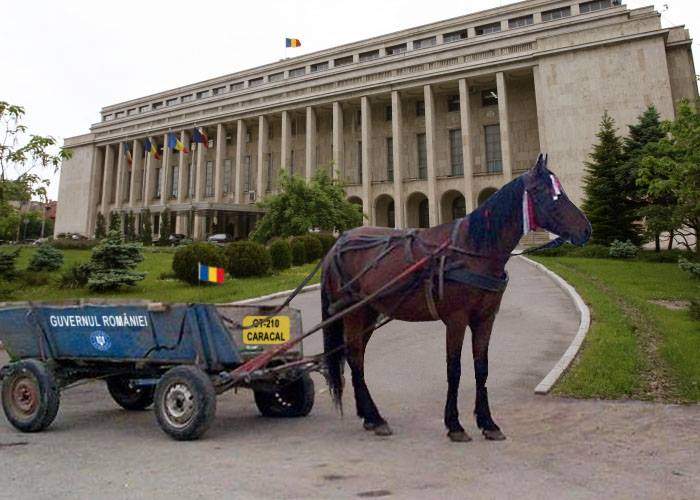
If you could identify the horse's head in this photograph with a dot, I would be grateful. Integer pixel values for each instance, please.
(553, 210)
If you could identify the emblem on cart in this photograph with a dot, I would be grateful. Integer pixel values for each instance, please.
(100, 340)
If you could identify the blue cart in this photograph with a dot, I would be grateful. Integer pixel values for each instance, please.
(175, 357)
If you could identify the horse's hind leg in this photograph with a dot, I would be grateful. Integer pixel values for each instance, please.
(357, 332)
(454, 341)
(481, 334)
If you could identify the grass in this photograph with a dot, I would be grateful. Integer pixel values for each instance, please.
(635, 348)
(157, 262)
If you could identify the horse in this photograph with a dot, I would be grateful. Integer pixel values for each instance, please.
(462, 285)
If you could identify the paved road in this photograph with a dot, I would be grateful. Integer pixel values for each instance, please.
(556, 447)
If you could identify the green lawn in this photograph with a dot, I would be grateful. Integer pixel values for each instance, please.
(635, 348)
(157, 262)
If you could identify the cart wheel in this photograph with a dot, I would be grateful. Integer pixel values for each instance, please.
(128, 396)
(185, 402)
(294, 399)
(30, 396)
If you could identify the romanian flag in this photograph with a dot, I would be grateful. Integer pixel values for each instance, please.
(292, 42)
(175, 143)
(200, 137)
(127, 152)
(211, 274)
(151, 147)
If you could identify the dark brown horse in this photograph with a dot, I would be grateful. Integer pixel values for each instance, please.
(462, 285)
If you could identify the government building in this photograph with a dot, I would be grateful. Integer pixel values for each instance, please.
(421, 125)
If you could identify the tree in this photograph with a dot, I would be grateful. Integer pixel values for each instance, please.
(115, 222)
(146, 231)
(164, 227)
(130, 229)
(100, 229)
(605, 203)
(300, 206)
(674, 172)
(112, 264)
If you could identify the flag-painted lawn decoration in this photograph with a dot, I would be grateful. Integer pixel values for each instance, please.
(211, 274)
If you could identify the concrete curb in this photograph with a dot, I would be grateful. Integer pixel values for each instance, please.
(276, 295)
(584, 324)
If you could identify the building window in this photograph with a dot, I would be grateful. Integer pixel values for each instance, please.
(130, 112)
(159, 176)
(187, 98)
(456, 159)
(342, 61)
(202, 94)
(276, 77)
(369, 55)
(237, 86)
(420, 108)
(270, 132)
(390, 158)
(396, 49)
(209, 179)
(454, 36)
(269, 172)
(156, 223)
(246, 171)
(157, 105)
(358, 118)
(293, 73)
(171, 102)
(423, 213)
(322, 66)
(227, 176)
(519, 22)
(144, 108)
(453, 103)
(485, 29)
(422, 157)
(192, 179)
(554, 14)
(494, 161)
(358, 176)
(387, 113)
(459, 208)
(489, 97)
(424, 43)
(108, 118)
(210, 143)
(174, 185)
(119, 114)
(218, 90)
(586, 7)
(254, 82)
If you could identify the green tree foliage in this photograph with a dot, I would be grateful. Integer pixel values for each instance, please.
(606, 205)
(100, 226)
(8, 263)
(146, 231)
(113, 262)
(130, 227)
(280, 254)
(327, 241)
(46, 258)
(298, 251)
(115, 222)
(247, 258)
(188, 257)
(164, 227)
(312, 246)
(300, 206)
(672, 172)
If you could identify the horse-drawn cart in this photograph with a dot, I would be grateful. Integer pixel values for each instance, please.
(177, 357)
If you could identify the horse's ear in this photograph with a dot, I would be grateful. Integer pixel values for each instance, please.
(538, 167)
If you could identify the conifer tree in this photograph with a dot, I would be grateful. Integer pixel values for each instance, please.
(130, 230)
(100, 229)
(147, 229)
(112, 264)
(164, 227)
(115, 222)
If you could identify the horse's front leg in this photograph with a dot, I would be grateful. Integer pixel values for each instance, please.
(454, 341)
(481, 334)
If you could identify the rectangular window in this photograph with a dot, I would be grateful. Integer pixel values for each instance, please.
(108, 118)
(130, 112)
(174, 186)
(485, 29)
(551, 15)
(187, 98)
(144, 108)
(369, 55)
(396, 49)
(209, 179)
(202, 94)
(453, 103)
(159, 176)
(246, 171)
(218, 90)
(156, 223)
(269, 172)
(494, 163)
(586, 7)
(424, 43)
(420, 108)
(192, 179)
(237, 86)
(390, 158)
(293, 73)
(157, 105)
(342, 61)
(489, 97)
(454, 36)
(519, 22)
(456, 159)
(276, 77)
(227, 176)
(171, 102)
(254, 82)
(119, 114)
(422, 157)
(322, 66)
(388, 113)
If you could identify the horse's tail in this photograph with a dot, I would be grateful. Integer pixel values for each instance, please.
(333, 340)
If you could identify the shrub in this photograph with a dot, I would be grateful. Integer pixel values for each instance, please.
(622, 249)
(187, 258)
(76, 276)
(312, 246)
(70, 244)
(34, 278)
(8, 263)
(247, 258)
(280, 254)
(298, 251)
(694, 309)
(7, 290)
(666, 256)
(591, 251)
(692, 268)
(46, 258)
(327, 241)
(112, 264)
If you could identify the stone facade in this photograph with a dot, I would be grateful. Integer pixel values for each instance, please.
(422, 125)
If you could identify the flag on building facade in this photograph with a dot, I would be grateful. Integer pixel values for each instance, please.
(127, 152)
(151, 148)
(199, 136)
(175, 143)
(211, 274)
(292, 42)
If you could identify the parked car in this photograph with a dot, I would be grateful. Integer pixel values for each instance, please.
(40, 241)
(220, 239)
(177, 239)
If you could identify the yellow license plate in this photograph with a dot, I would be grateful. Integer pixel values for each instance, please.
(266, 329)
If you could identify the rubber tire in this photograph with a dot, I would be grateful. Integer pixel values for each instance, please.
(48, 392)
(204, 397)
(130, 398)
(298, 396)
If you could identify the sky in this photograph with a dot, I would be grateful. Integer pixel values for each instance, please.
(64, 60)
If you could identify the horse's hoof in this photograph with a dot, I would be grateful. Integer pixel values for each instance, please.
(383, 430)
(459, 436)
(494, 435)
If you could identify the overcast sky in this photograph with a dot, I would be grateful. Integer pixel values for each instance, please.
(64, 60)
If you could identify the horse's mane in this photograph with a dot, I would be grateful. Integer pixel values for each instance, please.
(486, 223)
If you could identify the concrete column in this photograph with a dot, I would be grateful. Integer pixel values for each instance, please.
(366, 123)
(107, 179)
(338, 142)
(310, 142)
(95, 184)
(136, 166)
(539, 101)
(219, 162)
(430, 131)
(505, 126)
(263, 148)
(465, 115)
(397, 153)
(240, 146)
(286, 142)
(182, 178)
(121, 177)
(198, 228)
(149, 180)
(166, 179)
(200, 180)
